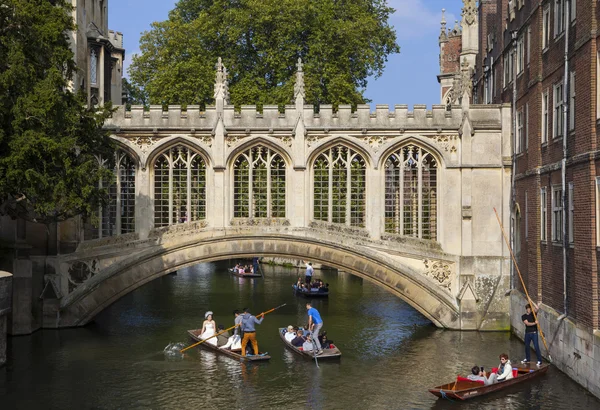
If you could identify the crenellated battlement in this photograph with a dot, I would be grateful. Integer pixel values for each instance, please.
(325, 117)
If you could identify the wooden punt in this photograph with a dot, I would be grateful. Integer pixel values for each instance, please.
(466, 389)
(308, 293)
(234, 272)
(236, 354)
(332, 353)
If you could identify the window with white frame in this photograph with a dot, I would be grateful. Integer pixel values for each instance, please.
(543, 215)
(517, 231)
(546, 27)
(526, 216)
(118, 216)
(572, 101)
(505, 76)
(557, 117)
(571, 212)
(494, 79)
(179, 186)
(526, 126)
(411, 193)
(556, 213)
(520, 54)
(573, 10)
(528, 45)
(520, 138)
(259, 184)
(545, 116)
(559, 17)
(339, 187)
(597, 211)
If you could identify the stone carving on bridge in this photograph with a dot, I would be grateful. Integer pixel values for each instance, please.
(206, 140)
(260, 222)
(447, 142)
(375, 142)
(145, 143)
(313, 140)
(339, 228)
(442, 272)
(178, 229)
(287, 140)
(81, 271)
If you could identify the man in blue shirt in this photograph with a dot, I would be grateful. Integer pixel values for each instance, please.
(315, 323)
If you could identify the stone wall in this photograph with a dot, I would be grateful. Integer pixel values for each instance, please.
(5, 305)
(575, 349)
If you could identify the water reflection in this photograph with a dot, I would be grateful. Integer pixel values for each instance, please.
(391, 354)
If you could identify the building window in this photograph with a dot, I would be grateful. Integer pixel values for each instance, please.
(517, 231)
(520, 137)
(259, 184)
(118, 216)
(179, 187)
(520, 54)
(526, 217)
(556, 213)
(543, 215)
(93, 67)
(558, 119)
(526, 126)
(597, 211)
(545, 119)
(340, 187)
(528, 45)
(572, 101)
(573, 10)
(546, 28)
(559, 17)
(571, 212)
(411, 193)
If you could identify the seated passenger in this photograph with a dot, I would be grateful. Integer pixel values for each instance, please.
(299, 283)
(504, 371)
(477, 374)
(308, 345)
(299, 339)
(223, 337)
(290, 334)
(325, 343)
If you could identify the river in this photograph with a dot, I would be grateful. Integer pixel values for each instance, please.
(391, 353)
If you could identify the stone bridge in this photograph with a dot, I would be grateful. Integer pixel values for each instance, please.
(401, 198)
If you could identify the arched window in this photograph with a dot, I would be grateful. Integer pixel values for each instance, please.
(118, 216)
(339, 187)
(259, 184)
(411, 193)
(179, 187)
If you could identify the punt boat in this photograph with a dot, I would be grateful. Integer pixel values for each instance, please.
(310, 293)
(332, 353)
(236, 354)
(463, 388)
(235, 272)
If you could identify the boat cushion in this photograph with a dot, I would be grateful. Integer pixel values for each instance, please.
(466, 379)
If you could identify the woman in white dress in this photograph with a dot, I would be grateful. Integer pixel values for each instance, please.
(208, 328)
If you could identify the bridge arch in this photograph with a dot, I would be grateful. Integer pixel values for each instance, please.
(167, 143)
(119, 279)
(280, 149)
(341, 140)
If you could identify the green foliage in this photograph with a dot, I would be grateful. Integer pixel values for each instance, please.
(135, 95)
(342, 43)
(48, 138)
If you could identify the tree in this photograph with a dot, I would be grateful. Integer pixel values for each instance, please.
(49, 138)
(135, 95)
(341, 43)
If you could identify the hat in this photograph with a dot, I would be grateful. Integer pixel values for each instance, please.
(290, 328)
(208, 313)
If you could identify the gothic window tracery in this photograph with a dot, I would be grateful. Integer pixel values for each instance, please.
(259, 184)
(118, 216)
(411, 193)
(93, 67)
(339, 187)
(179, 187)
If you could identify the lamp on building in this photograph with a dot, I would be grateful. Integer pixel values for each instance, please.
(124, 97)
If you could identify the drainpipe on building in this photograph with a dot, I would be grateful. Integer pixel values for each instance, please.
(513, 189)
(566, 102)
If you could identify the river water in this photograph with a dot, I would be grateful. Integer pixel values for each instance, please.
(391, 353)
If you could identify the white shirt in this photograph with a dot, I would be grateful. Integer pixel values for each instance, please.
(289, 336)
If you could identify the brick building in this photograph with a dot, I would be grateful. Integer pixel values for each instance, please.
(542, 57)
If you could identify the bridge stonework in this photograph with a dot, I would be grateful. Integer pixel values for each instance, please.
(422, 227)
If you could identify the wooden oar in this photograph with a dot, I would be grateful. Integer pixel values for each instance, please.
(523, 283)
(215, 335)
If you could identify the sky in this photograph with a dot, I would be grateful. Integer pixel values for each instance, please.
(409, 77)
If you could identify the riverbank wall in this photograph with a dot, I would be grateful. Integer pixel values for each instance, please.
(5, 305)
(575, 349)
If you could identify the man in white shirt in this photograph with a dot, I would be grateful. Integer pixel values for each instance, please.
(290, 334)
